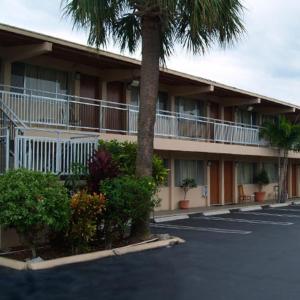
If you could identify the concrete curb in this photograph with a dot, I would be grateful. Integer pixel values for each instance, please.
(250, 208)
(279, 205)
(171, 218)
(13, 264)
(147, 245)
(216, 212)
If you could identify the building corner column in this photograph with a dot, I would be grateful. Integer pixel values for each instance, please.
(171, 182)
(221, 180)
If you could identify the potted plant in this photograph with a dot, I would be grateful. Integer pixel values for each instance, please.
(261, 179)
(186, 185)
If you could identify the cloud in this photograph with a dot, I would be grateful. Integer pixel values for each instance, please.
(266, 60)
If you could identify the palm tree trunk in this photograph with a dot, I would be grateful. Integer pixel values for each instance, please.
(151, 43)
(279, 176)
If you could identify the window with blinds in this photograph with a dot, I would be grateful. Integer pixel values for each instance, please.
(189, 169)
(39, 81)
(272, 171)
(246, 172)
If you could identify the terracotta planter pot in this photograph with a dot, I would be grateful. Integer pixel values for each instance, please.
(184, 204)
(260, 196)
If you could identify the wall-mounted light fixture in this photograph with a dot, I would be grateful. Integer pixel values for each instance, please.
(209, 163)
(250, 108)
(236, 163)
(135, 83)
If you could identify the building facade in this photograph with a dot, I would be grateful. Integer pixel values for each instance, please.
(58, 98)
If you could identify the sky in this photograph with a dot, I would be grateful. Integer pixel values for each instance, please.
(266, 60)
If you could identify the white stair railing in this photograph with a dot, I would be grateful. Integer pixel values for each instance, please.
(54, 155)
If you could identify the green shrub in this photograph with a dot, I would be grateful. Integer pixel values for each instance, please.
(128, 199)
(86, 213)
(33, 202)
(76, 181)
(124, 155)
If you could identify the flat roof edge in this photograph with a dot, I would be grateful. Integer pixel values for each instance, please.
(74, 45)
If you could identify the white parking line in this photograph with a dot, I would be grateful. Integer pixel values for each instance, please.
(245, 221)
(209, 229)
(269, 214)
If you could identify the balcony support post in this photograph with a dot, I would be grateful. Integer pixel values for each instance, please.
(207, 183)
(7, 150)
(6, 74)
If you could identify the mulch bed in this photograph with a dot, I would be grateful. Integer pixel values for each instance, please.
(47, 252)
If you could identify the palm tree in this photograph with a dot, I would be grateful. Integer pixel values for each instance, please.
(157, 25)
(285, 136)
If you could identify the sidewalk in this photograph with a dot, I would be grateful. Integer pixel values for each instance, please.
(219, 208)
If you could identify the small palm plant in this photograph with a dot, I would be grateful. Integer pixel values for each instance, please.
(285, 136)
(262, 179)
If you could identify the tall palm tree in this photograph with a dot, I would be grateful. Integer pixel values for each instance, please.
(157, 25)
(285, 136)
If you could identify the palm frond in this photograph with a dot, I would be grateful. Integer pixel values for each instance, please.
(194, 24)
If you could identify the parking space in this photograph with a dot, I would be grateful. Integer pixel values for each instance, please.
(238, 222)
(223, 258)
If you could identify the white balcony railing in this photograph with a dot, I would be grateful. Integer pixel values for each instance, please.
(70, 112)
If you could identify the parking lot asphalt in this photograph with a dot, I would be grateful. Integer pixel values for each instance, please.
(241, 255)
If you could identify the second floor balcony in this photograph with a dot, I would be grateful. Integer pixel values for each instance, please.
(60, 111)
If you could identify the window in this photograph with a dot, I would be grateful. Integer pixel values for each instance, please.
(166, 165)
(266, 118)
(190, 106)
(39, 80)
(272, 171)
(246, 172)
(189, 169)
(162, 100)
(246, 117)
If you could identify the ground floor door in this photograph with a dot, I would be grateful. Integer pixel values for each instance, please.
(294, 180)
(228, 182)
(214, 183)
(89, 112)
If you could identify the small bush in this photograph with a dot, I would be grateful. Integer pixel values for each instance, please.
(33, 202)
(262, 179)
(101, 167)
(86, 212)
(76, 181)
(124, 155)
(128, 199)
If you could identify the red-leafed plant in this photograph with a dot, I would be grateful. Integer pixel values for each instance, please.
(101, 166)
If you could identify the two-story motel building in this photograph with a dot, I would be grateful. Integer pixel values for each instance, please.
(57, 98)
